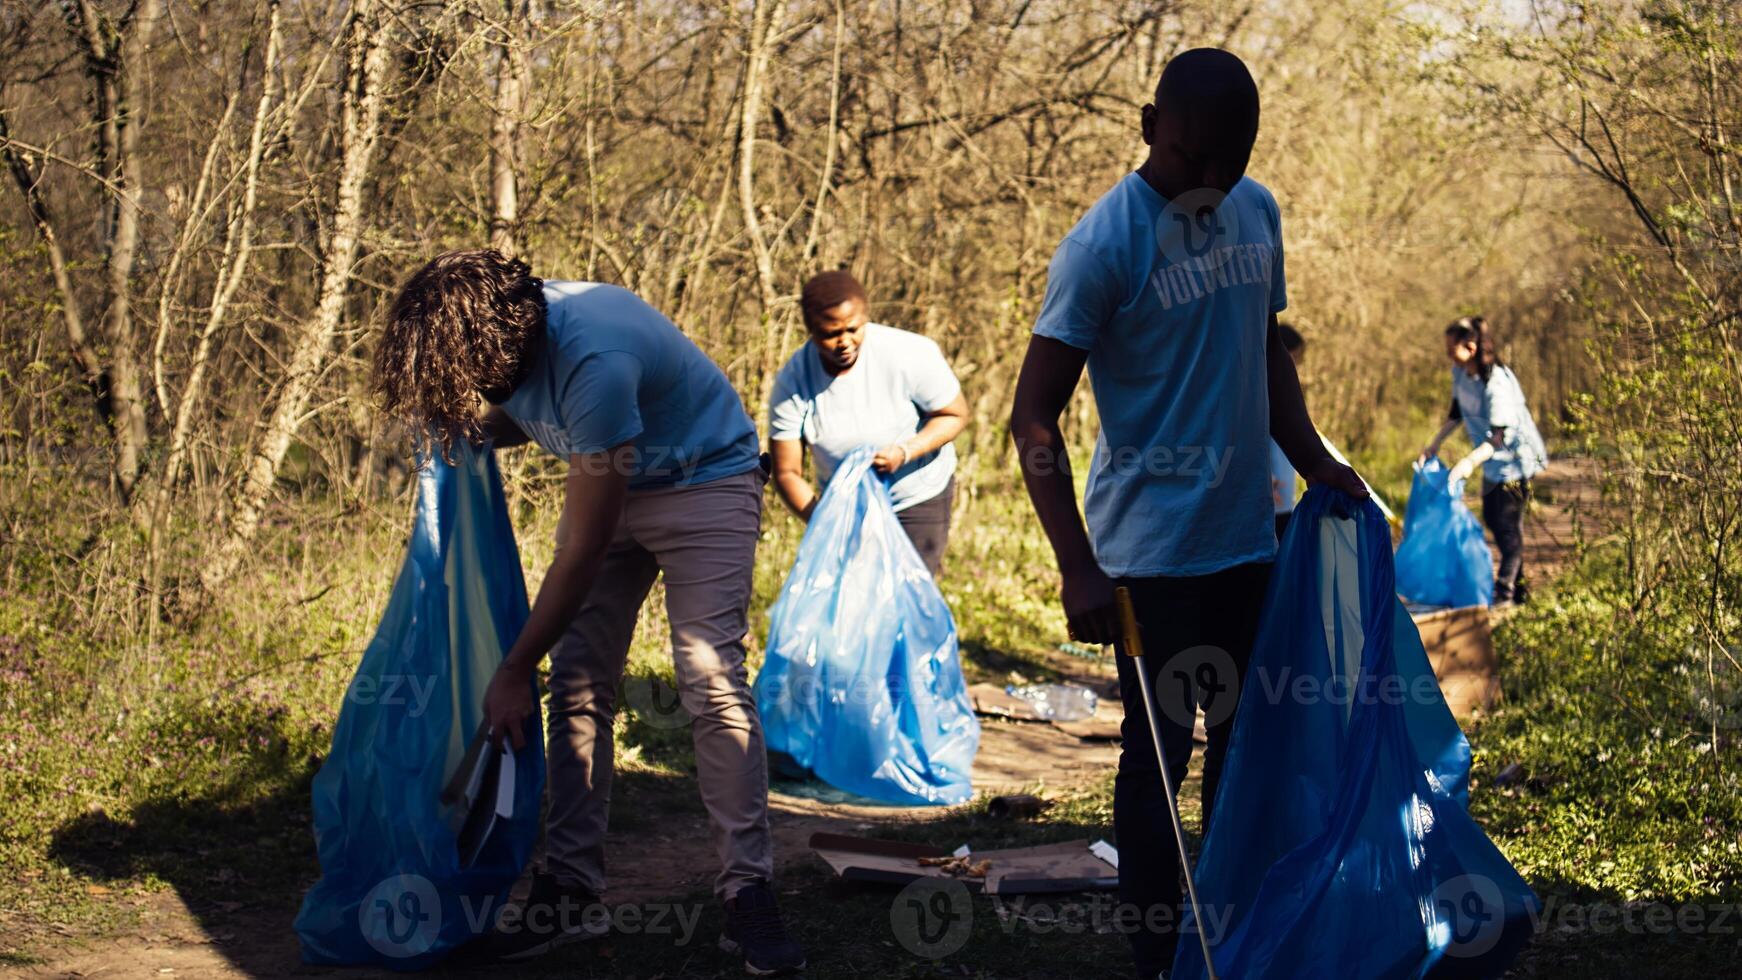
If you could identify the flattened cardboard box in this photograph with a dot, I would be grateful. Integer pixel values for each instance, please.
(1064, 867)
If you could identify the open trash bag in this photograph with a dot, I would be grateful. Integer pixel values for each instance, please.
(394, 889)
(1341, 846)
(1442, 560)
(860, 683)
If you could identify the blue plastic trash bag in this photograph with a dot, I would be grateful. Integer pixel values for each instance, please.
(1341, 845)
(860, 683)
(1442, 560)
(393, 891)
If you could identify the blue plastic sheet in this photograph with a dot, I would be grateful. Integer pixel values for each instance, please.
(1442, 560)
(861, 683)
(392, 890)
(1341, 845)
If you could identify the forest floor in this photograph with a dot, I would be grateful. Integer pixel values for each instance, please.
(179, 893)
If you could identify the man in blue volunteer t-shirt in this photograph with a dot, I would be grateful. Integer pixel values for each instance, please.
(1168, 290)
(664, 477)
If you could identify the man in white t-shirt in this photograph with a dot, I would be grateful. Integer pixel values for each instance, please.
(854, 384)
(1168, 290)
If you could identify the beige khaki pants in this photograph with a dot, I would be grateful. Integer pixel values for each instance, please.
(704, 539)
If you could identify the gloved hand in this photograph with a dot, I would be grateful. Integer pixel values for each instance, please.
(1464, 467)
(1459, 474)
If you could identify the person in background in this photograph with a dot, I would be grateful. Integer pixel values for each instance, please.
(856, 383)
(664, 476)
(1282, 474)
(1168, 290)
(1488, 400)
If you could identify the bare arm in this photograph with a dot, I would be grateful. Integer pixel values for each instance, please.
(1050, 372)
(1433, 448)
(940, 429)
(1292, 427)
(592, 504)
(789, 480)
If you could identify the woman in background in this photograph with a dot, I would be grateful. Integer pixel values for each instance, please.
(1488, 400)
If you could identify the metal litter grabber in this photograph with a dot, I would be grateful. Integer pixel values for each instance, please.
(1134, 648)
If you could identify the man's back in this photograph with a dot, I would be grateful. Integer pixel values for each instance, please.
(615, 370)
(1173, 310)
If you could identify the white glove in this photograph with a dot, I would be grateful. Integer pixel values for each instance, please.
(1464, 467)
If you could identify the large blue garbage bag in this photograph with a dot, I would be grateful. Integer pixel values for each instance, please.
(1341, 846)
(393, 890)
(1442, 560)
(861, 683)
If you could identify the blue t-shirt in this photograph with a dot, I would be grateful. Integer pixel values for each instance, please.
(1174, 312)
(615, 370)
(1499, 403)
(898, 380)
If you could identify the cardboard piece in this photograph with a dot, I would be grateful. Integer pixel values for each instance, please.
(1460, 646)
(1066, 867)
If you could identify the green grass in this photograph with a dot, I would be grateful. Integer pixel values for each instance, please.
(128, 771)
(1624, 811)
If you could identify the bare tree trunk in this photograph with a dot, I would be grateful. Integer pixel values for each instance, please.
(127, 389)
(825, 183)
(29, 182)
(360, 125)
(230, 274)
(765, 18)
(114, 61)
(509, 107)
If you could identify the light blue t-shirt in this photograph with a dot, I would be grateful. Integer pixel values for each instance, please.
(615, 370)
(1174, 313)
(898, 380)
(1500, 403)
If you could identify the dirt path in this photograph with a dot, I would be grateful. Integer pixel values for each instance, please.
(1567, 507)
(667, 855)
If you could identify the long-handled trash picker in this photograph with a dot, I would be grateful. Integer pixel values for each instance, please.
(1134, 648)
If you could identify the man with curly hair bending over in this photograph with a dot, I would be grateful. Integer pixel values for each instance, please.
(664, 475)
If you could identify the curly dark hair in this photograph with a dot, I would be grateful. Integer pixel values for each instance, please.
(466, 324)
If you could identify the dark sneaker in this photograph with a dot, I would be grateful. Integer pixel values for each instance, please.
(554, 914)
(754, 929)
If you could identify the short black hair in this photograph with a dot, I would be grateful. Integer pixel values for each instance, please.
(1214, 95)
(1292, 341)
(827, 290)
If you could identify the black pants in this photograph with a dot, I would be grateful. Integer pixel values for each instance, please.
(1503, 511)
(1197, 637)
(927, 524)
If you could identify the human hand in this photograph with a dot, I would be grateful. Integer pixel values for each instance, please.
(1331, 473)
(1460, 472)
(890, 458)
(1088, 600)
(507, 703)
